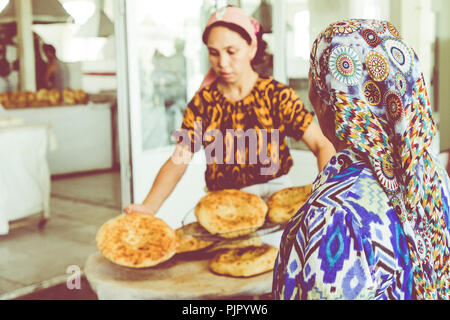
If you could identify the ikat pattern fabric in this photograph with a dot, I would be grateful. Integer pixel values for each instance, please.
(371, 79)
(347, 241)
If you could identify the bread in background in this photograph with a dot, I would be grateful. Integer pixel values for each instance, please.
(42, 97)
(4, 100)
(31, 99)
(54, 97)
(69, 96)
(18, 99)
(81, 97)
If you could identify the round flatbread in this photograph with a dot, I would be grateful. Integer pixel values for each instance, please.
(187, 241)
(286, 202)
(244, 262)
(231, 213)
(136, 240)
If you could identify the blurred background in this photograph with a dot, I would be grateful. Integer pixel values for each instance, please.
(91, 90)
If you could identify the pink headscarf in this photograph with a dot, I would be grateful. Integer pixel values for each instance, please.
(235, 16)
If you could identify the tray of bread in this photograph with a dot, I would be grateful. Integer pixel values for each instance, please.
(43, 98)
(225, 225)
(229, 214)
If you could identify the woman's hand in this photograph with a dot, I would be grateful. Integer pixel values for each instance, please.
(165, 181)
(141, 208)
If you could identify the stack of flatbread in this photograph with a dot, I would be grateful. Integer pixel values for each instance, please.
(242, 257)
(286, 202)
(140, 240)
(187, 241)
(230, 214)
(244, 262)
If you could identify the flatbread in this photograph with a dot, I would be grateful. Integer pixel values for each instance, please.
(286, 202)
(244, 262)
(186, 240)
(236, 243)
(231, 213)
(136, 240)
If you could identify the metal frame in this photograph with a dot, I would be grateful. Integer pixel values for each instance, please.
(279, 33)
(123, 101)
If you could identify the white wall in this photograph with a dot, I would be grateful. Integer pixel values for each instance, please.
(416, 23)
(75, 44)
(442, 8)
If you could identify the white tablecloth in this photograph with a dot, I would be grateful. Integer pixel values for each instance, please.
(24, 173)
(83, 134)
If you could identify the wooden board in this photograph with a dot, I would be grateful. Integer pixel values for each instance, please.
(182, 277)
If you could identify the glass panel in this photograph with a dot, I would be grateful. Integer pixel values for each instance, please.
(261, 10)
(298, 44)
(171, 63)
(305, 19)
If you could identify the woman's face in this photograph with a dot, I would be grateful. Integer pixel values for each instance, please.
(229, 54)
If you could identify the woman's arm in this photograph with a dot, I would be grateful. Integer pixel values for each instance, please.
(300, 125)
(165, 182)
(49, 72)
(318, 144)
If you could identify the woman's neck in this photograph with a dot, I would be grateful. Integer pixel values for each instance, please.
(241, 88)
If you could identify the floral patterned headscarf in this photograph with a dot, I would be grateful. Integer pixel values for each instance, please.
(371, 80)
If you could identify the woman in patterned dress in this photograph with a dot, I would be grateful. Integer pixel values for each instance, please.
(234, 96)
(376, 225)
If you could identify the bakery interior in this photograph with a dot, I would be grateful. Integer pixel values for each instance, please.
(74, 155)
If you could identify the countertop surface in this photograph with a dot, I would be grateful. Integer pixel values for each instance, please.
(184, 276)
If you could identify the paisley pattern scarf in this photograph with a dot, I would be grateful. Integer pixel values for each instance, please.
(371, 79)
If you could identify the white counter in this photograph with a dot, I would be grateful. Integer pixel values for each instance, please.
(83, 135)
(24, 173)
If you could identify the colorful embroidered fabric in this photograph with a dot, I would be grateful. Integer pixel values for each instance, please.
(270, 105)
(371, 79)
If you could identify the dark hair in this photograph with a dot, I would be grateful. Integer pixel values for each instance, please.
(261, 55)
(48, 48)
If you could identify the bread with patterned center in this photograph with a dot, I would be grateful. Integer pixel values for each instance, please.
(286, 202)
(231, 213)
(187, 241)
(244, 262)
(136, 240)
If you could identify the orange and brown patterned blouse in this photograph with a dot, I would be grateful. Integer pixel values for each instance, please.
(244, 141)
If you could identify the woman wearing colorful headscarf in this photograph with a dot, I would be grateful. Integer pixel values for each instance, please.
(376, 225)
(236, 103)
